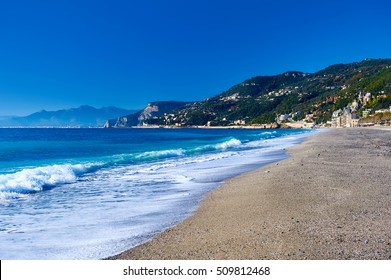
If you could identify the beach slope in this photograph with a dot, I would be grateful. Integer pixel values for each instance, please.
(330, 200)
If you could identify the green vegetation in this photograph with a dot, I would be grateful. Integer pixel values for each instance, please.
(379, 103)
(261, 100)
(377, 118)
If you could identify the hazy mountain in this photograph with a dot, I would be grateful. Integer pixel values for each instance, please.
(83, 116)
(6, 117)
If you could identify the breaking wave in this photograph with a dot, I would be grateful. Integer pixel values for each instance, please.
(155, 155)
(161, 154)
(232, 143)
(37, 179)
(32, 180)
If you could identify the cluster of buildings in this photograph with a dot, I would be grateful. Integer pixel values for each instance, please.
(348, 117)
(344, 118)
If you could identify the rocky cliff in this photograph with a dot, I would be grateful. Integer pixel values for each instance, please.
(151, 111)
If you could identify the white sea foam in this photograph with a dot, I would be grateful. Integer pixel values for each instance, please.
(268, 133)
(35, 179)
(161, 154)
(232, 143)
(164, 154)
(118, 206)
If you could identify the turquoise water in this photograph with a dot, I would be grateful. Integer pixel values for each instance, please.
(92, 193)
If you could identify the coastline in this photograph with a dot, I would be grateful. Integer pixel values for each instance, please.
(205, 127)
(330, 200)
(156, 185)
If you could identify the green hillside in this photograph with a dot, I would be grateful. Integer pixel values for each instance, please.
(262, 99)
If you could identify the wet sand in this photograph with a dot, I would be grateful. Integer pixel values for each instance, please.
(330, 200)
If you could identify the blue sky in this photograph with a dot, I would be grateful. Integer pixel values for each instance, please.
(62, 54)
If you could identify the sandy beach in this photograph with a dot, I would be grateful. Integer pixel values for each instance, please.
(330, 200)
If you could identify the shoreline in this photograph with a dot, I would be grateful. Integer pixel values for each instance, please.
(203, 127)
(180, 176)
(330, 200)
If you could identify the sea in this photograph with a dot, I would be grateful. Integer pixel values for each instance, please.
(92, 193)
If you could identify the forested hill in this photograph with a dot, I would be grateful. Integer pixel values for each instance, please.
(301, 96)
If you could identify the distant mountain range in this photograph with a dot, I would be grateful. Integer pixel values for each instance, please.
(290, 96)
(83, 116)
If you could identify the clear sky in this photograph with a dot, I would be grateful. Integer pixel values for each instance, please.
(62, 54)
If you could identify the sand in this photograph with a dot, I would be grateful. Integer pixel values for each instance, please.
(330, 200)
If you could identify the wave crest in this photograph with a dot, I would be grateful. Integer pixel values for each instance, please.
(161, 154)
(232, 143)
(36, 179)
